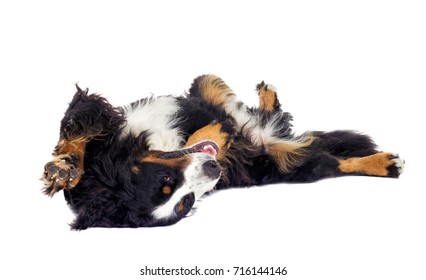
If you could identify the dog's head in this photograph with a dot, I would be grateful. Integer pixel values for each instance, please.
(167, 184)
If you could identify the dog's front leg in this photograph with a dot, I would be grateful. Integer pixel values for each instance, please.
(66, 167)
(88, 117)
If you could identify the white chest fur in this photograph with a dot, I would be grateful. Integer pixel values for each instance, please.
(158, 117)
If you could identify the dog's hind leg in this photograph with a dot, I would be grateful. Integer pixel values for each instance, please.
(379, 164)
(88, 117)
(337, 153)
(324, 165)
(268, 99)
(267, 127)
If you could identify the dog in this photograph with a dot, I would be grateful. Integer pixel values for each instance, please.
(146, 164)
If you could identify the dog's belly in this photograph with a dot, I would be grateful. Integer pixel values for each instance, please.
(157, 117)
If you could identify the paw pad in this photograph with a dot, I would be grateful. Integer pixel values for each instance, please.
(61, 173)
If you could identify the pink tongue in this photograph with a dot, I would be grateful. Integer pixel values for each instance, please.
(209, 149)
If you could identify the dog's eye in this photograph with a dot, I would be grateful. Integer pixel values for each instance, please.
(167, 179)
(166, 190)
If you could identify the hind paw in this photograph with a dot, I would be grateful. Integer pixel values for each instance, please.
(396, 167)
(268, 99)
(64, 171)
(379, 164)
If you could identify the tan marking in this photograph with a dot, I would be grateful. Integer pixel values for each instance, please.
(214, 90)
(176, 163)
(166, 190)
(375, 165)
(62, 152)
(75, 146)
(135, 169)
(181, 207)
(267, 99)
(211, 132)
(288, 154)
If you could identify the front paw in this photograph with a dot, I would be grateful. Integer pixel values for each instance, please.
(64, 171)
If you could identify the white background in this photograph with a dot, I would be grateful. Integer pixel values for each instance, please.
(337, 64)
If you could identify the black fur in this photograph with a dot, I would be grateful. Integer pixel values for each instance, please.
(110, 194)
(90, 115)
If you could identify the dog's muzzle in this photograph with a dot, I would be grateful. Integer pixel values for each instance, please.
(208, 147)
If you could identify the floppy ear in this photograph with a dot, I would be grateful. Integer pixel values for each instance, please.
(181, 209)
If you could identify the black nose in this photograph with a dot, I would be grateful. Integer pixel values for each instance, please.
(211, 169)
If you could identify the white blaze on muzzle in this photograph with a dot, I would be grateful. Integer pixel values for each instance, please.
(200, 176)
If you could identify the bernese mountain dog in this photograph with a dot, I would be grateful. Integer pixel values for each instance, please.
(146, 164)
